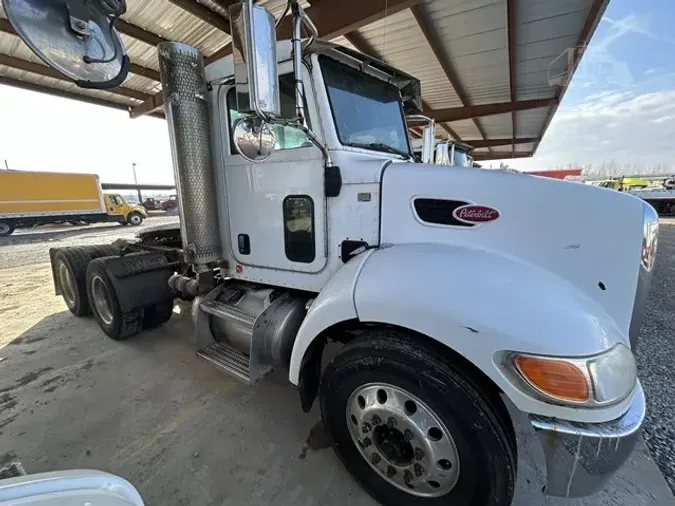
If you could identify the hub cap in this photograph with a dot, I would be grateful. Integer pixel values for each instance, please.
(4, 228)
(67, 284)
(403, 440)
(135, 219)
(102, 302)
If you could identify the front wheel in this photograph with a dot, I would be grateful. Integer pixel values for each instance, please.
(135, 219)
(413, 429)
(6, 228)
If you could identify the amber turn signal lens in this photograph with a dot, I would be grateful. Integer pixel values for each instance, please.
(555, 378)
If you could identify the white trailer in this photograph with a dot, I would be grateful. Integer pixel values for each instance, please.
(661, 199)
(455, 296)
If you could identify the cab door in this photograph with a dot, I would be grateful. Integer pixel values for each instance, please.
(277, 207)
(115, 205)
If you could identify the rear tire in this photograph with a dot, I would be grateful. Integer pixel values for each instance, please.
(6, 228)
(468, 460)
(105, 304)
(70, 268)
(158, 314)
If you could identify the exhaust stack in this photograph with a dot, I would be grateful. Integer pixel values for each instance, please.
(181, 70)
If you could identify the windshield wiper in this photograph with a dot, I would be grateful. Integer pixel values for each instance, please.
(380, 146)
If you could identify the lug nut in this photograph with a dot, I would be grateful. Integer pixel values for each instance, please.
(375, 459)
(376, 420)
(391, 422)
(419, 470)
(419, 454)
(367, 442)
(407, 435)
(391, 472)
(407, 476)
(366, 428)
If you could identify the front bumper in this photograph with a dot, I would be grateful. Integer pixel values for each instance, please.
(581, 457)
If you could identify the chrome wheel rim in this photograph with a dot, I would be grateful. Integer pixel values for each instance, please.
(135, 219)
(102, 302)
(403, 439)
(67, 283)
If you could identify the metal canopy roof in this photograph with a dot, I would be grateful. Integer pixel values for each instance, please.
(493, 71)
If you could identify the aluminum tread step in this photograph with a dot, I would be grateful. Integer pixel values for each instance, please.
(224, 310)
(229, 359)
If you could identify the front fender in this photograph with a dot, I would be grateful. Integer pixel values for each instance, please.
(480, 303)
(334, 304)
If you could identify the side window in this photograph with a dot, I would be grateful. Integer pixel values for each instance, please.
(287, 137)
(115, 200)
(299, 228)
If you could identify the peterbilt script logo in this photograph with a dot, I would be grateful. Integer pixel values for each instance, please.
(475, 214)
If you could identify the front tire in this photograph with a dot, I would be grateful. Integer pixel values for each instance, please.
(135, 219)
(6, 228)
(105, 304)
(412, 428)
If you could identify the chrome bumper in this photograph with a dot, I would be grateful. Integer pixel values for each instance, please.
(581, 457)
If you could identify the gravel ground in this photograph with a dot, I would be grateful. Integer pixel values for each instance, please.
(655, 356)
(29, 247)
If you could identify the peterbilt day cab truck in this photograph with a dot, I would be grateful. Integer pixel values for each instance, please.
(29, 199)
(458, 302)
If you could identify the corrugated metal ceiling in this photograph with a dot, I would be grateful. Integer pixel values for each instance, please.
(462, 56)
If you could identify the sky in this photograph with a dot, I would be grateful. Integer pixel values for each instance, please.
(621, 103)
(619, 106)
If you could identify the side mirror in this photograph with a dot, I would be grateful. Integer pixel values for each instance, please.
(442, 157)
(428, 144)
(75, 37)
(254, 47)
(254, 139)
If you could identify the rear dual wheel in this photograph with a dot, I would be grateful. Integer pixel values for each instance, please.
(413, 429)
(116, 323)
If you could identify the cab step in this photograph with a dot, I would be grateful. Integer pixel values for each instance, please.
(229, 359)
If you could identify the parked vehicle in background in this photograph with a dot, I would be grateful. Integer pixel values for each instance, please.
(29, 199)
(171, 203)
(152, 204)
(623, 184)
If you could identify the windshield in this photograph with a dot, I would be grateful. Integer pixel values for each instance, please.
(367, 111)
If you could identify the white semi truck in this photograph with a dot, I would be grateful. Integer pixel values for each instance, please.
(457, 299)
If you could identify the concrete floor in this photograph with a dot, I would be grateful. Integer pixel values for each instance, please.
(184, 433)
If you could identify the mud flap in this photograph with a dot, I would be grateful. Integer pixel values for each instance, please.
(310, 374)
(140, 279)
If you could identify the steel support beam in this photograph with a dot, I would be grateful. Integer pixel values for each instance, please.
(139, 33)
(56, 92)
(502, 156)
(478, 111)
(204, 13)
(491, 143)
(43, 70)
(334, 18)
(444, 62)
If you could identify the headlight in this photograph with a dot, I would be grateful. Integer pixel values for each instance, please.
(600, 380)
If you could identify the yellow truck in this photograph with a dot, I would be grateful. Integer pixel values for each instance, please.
(28, 199)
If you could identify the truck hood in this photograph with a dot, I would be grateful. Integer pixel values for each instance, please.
(587, 236)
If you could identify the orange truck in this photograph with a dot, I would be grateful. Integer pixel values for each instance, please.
(29, 199)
